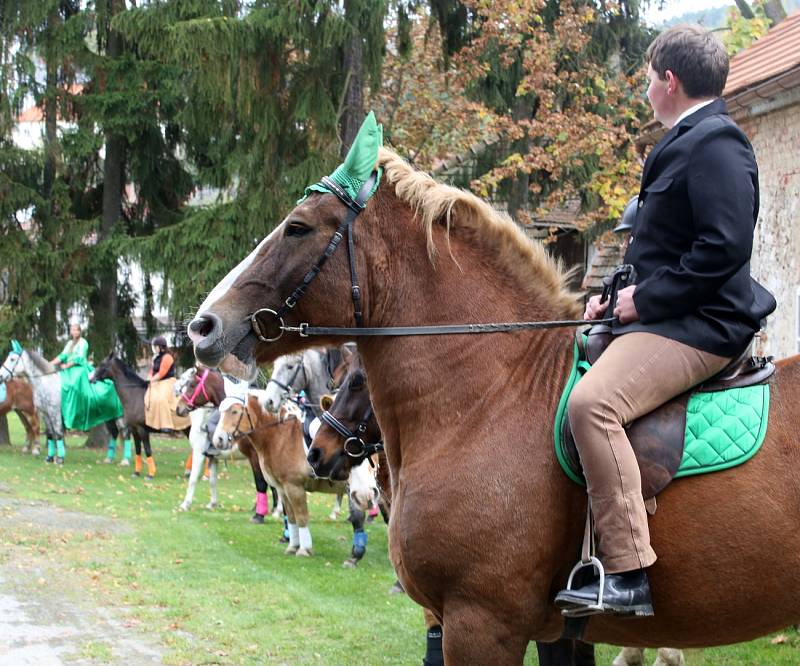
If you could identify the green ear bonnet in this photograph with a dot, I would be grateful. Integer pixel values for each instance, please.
(359, 164)
(16, 347)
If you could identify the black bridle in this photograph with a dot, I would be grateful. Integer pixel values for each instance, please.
(623, 275)
(354, 444)
(345, 228)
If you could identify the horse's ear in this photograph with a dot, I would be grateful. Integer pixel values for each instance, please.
(347, 353)
(326, 402)
(16, 347)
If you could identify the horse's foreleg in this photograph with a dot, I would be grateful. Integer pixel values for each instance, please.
(356, 518)
(296, 496)
(213, 473)
(473, 635)
(262, 502)
(197, 467)
(669, 657)
(434, 656)
(291, 524)
(337, 507)
(277, 503)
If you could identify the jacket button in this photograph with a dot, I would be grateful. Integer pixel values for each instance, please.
(641, 203)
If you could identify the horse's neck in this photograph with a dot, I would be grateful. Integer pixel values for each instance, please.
(419, 394)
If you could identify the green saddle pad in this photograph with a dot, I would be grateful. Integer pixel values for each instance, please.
(723, 428)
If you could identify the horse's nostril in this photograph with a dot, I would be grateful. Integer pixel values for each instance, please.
(314, 456)
(202, 326)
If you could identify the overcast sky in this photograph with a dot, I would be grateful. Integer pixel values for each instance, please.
(673, 8)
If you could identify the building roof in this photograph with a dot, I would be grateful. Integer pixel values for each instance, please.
(607, 257)
(775, 53)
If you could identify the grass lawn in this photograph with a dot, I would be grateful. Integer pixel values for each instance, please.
(213, 588)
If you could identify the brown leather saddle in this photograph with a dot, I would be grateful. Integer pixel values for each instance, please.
(658, 438)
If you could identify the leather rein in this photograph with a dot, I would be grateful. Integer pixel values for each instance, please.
(355, 207)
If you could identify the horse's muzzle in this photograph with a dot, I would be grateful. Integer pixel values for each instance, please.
(206, 331)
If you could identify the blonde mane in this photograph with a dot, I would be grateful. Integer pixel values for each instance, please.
(525, 259)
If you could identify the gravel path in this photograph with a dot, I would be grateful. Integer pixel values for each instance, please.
(46, 618)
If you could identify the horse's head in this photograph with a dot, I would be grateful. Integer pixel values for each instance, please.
(103, 369)
(239, 323)
(12, 366)
(235, 420)
(349, 431)
(289, 376)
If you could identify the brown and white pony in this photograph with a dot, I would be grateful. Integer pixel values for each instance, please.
(278, 442)
(19, 397)
(467, 422)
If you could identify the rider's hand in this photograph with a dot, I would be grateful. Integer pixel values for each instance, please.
(626, 308)
(595, 308)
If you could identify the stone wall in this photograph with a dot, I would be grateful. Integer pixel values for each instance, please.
(776, 252)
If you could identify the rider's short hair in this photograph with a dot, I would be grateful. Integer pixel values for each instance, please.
(693, 54)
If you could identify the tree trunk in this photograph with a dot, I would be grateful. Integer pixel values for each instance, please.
(97, 437)
(104, 299)
(353, 109)
(774, 11)
(5, 438)
(47, 312)
(745, 10)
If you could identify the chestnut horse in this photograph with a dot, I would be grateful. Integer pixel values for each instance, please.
(19, 397)
(467, 423)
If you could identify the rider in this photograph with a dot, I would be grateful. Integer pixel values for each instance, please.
(694, 305)
(74, 355)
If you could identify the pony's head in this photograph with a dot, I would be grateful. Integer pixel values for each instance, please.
(235, 420)
(362, 484)
(12, 366)
(349, 431)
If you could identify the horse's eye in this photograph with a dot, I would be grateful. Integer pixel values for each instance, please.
(296, 228)
(357, 381)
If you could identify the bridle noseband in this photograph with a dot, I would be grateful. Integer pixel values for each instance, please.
(354, 444)
(355, 207)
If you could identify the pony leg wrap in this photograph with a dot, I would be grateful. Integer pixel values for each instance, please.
(126, 450)
(51, 448)
(359, 543)
(305, 538)
(151, 466)
(138, 464)
(262, 504)
(112, 449)
(433, 652)
(61, 450)
(294, 535)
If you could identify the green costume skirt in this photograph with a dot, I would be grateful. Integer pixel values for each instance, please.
(85, 405)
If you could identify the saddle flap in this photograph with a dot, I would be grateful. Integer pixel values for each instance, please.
(657, 440)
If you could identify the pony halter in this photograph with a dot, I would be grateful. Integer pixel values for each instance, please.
(267, 323)
(201, 386)
(9, 371)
